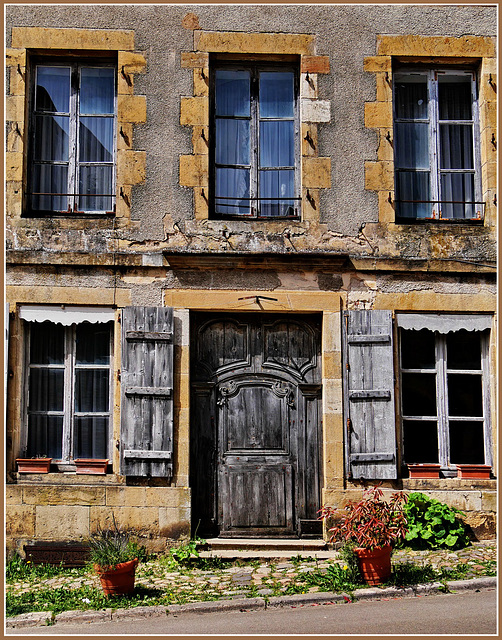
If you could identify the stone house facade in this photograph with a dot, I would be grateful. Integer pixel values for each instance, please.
(250, 262)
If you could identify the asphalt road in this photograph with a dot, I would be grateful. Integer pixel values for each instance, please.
(468, 612)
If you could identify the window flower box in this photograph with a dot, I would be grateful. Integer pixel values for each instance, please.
(479, 471)
(91, 466)
(424, 470)
(33, 465)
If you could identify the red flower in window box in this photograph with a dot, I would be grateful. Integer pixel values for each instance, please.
(479, 471)
(424, 470)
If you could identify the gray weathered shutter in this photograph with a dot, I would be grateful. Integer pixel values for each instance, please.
(369, 394)
(147, 391)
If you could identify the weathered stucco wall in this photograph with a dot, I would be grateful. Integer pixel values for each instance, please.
(346, 35)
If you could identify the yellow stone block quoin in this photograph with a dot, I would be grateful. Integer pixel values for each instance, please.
(194, 111)
(316, 172)
(379, 176)
(194, 171)
(131, 108)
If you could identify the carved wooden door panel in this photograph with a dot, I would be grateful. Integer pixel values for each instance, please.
(255, 433)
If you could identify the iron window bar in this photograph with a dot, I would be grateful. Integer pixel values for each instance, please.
(479, 216)
(82, 195)
(73, 209)
(254, 214)
(256, 198)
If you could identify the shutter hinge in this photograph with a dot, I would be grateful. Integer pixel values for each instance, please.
(347, 366)
(349, 424)
(118, 374)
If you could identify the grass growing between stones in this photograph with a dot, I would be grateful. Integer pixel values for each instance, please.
(165, 580)
(86, 597)
(17, 569)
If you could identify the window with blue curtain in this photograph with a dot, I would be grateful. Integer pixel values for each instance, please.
(436, 145)
(72, 139)
(255, 141)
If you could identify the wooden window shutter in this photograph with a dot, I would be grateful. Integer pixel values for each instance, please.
(369, 394)
(147, 392)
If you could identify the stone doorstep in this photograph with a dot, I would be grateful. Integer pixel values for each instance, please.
(259, 554)
(266, 544)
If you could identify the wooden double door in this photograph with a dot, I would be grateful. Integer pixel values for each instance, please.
(255, 432)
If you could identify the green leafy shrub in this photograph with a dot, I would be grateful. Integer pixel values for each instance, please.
(187, 555)
(184, 552)
(433, 524)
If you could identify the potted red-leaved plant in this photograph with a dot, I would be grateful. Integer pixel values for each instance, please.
(373, 525)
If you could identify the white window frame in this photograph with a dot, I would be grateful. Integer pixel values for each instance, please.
(432, 75)
(73, 143)
(442, 417)
(70, 367)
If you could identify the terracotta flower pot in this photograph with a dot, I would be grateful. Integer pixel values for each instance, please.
(479, 471)
(375, 566)
(91, 466)
(424, 470)
(119, 580)
(33, 465)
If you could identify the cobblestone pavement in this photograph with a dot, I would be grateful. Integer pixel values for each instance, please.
(262, 577)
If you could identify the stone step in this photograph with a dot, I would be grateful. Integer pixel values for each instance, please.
(282, 544)
(263, 548)
(261, 554)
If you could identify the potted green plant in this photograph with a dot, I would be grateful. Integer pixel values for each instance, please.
(114, 556)
(373, 525)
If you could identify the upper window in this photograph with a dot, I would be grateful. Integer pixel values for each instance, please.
(436, 149)
(72, 139)
(444, 397)
(68, 405)
(255, 147)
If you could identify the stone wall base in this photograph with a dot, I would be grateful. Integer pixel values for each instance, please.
(55, 512)
(160, 516)
(482, 524)
(477, 499)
